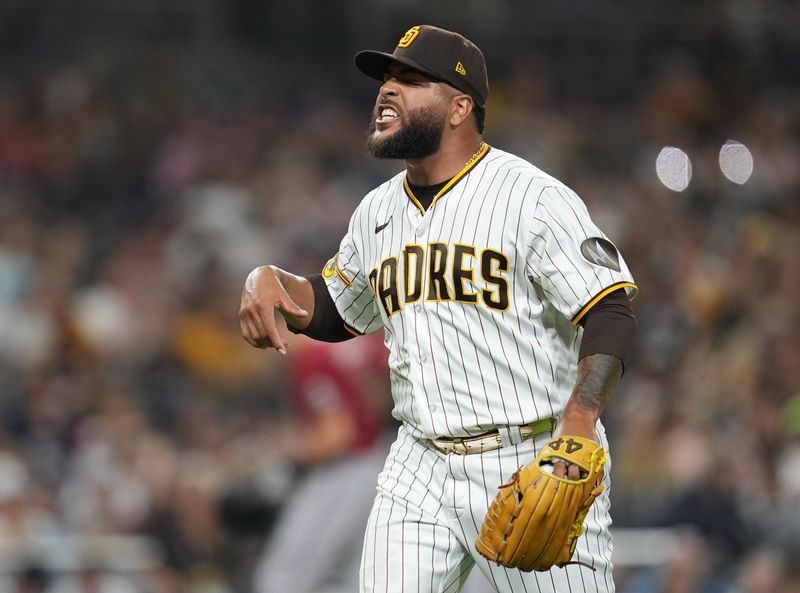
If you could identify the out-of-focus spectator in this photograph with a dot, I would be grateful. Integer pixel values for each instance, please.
(32, 579)
(689, 569)
(710, 506)
(760, 572)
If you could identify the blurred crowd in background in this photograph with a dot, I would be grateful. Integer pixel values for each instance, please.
(140, 183)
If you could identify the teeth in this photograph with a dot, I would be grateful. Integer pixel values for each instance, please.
(388, 112)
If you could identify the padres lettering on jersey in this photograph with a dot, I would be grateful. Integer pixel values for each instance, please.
(480, 295)
(448, 271)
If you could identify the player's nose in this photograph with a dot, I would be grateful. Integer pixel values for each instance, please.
(388, 88)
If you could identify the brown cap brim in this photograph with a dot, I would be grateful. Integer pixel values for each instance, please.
(375, 64)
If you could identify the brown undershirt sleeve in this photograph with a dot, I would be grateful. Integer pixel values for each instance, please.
(609, 327)
(326, 324)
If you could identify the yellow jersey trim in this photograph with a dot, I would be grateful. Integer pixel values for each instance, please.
(586, 308)
(460, 175)
(411, 195)
(352, 330)
(343, 277)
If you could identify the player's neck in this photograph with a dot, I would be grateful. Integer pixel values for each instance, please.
(444, 164)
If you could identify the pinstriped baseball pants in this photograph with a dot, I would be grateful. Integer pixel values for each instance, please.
(427, 515)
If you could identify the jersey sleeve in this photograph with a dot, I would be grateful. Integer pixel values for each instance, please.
(570, 258)
(349, 286)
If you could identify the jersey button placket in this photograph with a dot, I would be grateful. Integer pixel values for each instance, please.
(424, 407)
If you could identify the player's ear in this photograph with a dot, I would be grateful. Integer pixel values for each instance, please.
(460, 108)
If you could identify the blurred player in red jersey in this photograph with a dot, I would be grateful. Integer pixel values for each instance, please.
(340, 397)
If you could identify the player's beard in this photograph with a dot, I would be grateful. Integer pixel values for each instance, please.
(419, 136)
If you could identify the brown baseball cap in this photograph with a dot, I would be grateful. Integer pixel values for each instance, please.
(443, 55)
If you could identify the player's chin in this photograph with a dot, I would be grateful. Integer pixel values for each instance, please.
(379, 138)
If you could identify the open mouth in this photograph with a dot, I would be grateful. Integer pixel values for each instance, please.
(386, 114)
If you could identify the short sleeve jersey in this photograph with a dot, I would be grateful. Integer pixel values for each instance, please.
(479, 295)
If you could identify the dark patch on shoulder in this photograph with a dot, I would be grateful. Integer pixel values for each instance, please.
(601, 252)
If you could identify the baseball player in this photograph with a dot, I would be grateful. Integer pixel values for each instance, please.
(506, 312)
(337, 392)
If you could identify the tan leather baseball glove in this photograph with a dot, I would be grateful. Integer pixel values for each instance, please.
(536, 519)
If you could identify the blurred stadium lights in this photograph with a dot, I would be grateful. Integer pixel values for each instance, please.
(736, 161)
(674, 168)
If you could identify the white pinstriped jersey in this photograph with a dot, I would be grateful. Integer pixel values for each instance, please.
(480, 295)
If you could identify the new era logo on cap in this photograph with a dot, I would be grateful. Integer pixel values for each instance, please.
(440, 54)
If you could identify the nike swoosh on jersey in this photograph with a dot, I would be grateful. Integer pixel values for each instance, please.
(380, 227)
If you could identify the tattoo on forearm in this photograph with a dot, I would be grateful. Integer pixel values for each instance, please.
(598, 375)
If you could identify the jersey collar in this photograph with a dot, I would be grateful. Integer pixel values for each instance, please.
(450, 184)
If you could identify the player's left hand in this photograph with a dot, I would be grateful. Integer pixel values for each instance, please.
(536, 518)
(573, 425)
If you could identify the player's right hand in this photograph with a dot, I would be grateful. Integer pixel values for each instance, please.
(263, 297)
